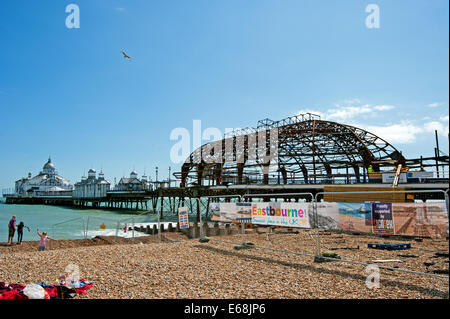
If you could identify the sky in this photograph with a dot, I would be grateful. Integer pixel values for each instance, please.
(70, 94)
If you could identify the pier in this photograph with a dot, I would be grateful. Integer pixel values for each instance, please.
(168, 200)
(311, 156)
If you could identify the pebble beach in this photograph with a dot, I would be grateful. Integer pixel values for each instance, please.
(178, 267)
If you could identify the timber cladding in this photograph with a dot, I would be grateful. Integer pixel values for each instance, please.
(361, 198)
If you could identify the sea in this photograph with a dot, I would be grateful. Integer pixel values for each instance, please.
(75, 223)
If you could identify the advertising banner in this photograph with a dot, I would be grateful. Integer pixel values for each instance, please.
(243, 212)
(327, 215)
(383, 222)
(231, 212)
(183, 217)
(421, 219)
(281, 214)
(355, 217)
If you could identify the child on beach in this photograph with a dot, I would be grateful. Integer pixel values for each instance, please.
(43, 241)
(20, 232)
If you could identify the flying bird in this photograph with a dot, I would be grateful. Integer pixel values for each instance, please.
(125, 56)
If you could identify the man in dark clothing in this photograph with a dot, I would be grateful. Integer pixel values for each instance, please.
(11, 229)
(20, 232)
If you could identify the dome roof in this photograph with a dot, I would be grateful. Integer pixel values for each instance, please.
(49, 165)
(91, 170)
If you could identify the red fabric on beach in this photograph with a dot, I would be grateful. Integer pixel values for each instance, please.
(52, 292)
(12, 294)
(16, 286)
(11, 291)
(84, 288)
(20, 295)
(8, 294)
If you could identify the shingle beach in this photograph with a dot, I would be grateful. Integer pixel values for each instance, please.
(179, 267)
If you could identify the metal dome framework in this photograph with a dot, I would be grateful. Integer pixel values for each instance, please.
(303, 149)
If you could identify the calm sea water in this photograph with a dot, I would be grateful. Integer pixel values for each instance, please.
(70, 223)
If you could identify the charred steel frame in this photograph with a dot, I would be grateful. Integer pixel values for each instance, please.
(306, 146)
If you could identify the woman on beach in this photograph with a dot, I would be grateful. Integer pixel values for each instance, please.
(11, 229)
(43, 241)
(20, 232)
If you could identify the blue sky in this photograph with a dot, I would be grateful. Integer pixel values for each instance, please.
(69, 93)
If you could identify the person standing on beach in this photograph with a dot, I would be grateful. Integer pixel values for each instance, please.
(20, 232)
(43, 242)
(11, 229)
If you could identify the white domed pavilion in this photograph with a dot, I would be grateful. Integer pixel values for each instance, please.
(47, 182)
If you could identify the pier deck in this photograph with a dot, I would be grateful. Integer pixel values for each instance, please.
(170, 199)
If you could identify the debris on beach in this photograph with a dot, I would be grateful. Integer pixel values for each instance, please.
(345, 248)
(244, 246)
(441, 271)
(326, 254)
(429, 264)
(439, 254)
(389, 246)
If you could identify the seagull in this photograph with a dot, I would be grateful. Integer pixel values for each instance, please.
(125, 56)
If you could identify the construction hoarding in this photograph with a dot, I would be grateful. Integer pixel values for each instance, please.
(409, 219)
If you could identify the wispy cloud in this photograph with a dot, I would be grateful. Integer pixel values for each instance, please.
(353, 112)
(444, 118)
(401, 133)
(383, 107)
(435, 104)
(350, 109)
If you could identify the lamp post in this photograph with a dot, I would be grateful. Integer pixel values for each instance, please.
(169, 176)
